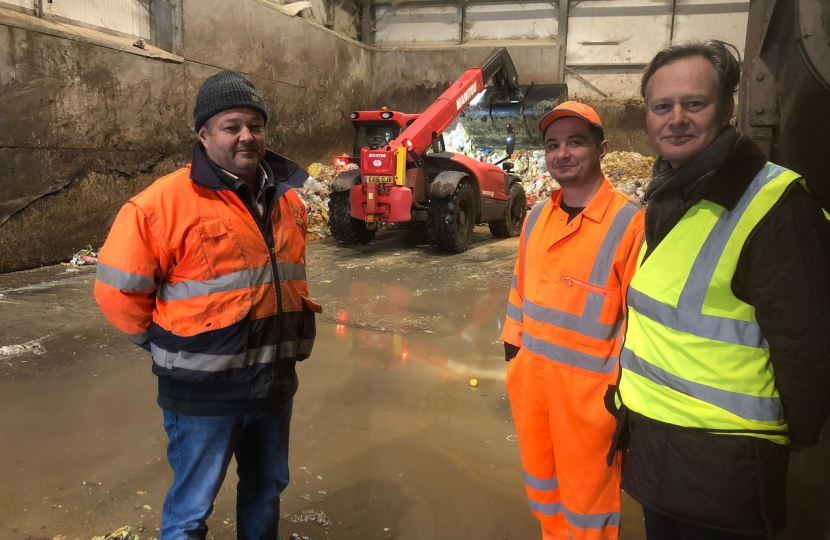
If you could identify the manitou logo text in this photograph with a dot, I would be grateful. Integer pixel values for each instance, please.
(377, 155)
(466, 96)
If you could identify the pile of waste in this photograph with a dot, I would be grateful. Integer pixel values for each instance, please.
(315, 193)
(458, 141)
(539, 188)
(84, 257)
(630, 172)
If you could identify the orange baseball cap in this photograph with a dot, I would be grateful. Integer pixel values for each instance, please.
(571, 109)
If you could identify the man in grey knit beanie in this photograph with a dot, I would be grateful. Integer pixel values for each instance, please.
(190, 273)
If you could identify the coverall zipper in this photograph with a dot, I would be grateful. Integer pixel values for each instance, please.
(588, 286)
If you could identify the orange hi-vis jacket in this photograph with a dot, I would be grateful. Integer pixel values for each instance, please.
(565, 301)
(565, 312)
(218, 297)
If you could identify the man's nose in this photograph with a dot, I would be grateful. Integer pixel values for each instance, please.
(563, 152)
(677, 116)
(245, 134)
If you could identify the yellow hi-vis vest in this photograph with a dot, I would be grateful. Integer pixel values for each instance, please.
(694, 355)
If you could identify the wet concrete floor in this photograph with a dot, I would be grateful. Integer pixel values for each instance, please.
(388, 439)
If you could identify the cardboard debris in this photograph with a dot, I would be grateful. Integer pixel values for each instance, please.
(315, 194)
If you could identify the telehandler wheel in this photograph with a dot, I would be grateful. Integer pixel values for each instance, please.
(511, 226)
(344, 228)
(450, 220)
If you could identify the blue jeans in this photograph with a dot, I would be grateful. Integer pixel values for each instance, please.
(199, 451)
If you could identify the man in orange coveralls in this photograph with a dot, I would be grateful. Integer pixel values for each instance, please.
(565, 317)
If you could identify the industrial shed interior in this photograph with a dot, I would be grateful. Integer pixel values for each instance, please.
(390, 437)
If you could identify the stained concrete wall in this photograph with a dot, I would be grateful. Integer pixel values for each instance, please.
(84, 126)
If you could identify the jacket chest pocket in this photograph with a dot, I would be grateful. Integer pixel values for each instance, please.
(221, 251)
(600, 304)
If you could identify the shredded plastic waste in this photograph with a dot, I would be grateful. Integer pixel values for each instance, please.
(124, 533)
(315, 194)
(311, 515)
(33, 347)
(630, 172)
(84, 257)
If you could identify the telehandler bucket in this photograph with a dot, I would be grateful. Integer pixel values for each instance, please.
(486, 118)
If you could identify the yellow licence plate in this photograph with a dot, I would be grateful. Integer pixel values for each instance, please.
(380, 179)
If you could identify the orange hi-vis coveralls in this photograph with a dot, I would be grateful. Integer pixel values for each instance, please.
(566, 314)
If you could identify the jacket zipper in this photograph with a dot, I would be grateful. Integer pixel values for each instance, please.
(263, 226)
(588, 286)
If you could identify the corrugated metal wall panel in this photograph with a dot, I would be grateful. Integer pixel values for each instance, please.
(131, 17)
(412, 24)
(617, 31)
(29, 4)
(719, 19)
(511, 21)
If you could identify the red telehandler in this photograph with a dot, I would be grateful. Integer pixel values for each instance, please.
(405, 173)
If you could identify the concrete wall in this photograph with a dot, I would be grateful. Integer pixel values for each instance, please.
(84, 125)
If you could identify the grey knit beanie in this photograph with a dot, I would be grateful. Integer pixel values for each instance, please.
(226, 90)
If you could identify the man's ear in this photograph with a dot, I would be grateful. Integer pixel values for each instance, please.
(728, 112)
(603, 149)
(203, 133)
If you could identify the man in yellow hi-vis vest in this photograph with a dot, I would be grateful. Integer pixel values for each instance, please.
(726, 358)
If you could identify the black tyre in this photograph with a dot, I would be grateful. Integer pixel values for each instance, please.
(450, 220)
(344, 228)
(511, 225)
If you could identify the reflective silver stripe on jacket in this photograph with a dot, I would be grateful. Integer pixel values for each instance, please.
(123, 280)
(748, 407)
(221, 362)
(690, 322)
(230, 282)
(515, 312)
(571, 357)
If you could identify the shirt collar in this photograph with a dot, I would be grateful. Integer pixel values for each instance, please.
(264, 180)
(596, 209)
(286, 174)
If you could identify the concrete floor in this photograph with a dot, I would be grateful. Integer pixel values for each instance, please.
(388, 438)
